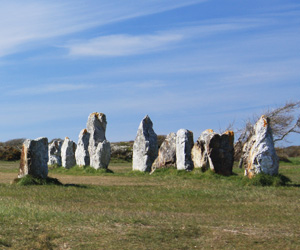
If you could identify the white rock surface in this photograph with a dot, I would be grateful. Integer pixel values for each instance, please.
(54, 152)
(101, 158)
(68, 153)
(184, 145)
(34, 158)
(145, 147)
(166, 153)
(259, 154)
(96, 127)
(199, 151)
(82, 151)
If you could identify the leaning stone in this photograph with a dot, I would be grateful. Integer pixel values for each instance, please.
(199, 152)
(82, 153)
(68, 153)
(259, 154)
(166, 153)
(54, 152)
(96, 127)
(101, 158)
(145, 146)
(34, 158)
(184, 145)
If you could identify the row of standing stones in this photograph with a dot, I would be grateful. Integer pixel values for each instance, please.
(211, 151)
(92, 150)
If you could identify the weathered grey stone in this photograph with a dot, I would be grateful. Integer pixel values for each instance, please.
(96, 127)
(145, 146)
(199, 152)
(214, 151)
(259, 154)
(82, 151)
(34, 158)
(101, 158)
(166, 153)
(54, 152)
(221, 152)
(184, 145)
(68, 153)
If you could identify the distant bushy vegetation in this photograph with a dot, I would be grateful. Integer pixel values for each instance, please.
(11, 150)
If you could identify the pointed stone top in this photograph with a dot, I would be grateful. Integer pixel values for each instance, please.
(146, 122)
(262, 125)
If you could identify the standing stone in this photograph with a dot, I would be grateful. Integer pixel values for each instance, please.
(221, 152)
(101, 158)
(259, 154)
(214, 151)
(184, 145)
(145, 147)
(199, 152)
(82, 152)
(68, 153)
(96, 127)
(55, 152)
(34, 158)
(166, 154)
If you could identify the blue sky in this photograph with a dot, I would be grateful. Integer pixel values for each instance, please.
(193, 64)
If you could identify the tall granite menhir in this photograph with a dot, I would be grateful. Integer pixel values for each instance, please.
(184, 145)
(93, 148)
(34, 158)
(82, 154)
(145, 147)
(68, 153)
(259, 154)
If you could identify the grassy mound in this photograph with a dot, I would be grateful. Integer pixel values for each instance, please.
(29, 180)
(263, 180)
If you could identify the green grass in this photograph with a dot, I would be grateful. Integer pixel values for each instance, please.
(78, 170)
(169, 209)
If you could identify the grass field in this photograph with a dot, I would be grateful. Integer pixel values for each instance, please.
(166, 210)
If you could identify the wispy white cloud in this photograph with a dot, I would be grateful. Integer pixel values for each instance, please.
(123, 45)
(25, 22)
(49, 89)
